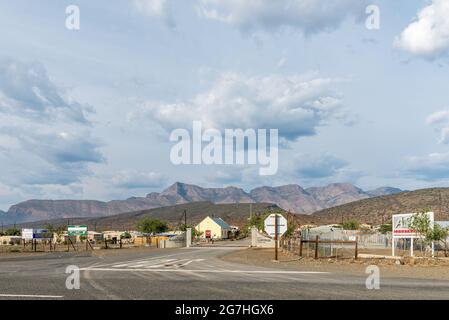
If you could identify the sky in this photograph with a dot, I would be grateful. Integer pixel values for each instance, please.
(86, 113)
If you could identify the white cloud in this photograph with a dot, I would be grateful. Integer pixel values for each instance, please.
(434, 166)
(296, 105)
(309, 16)
(428, 35)
(316, 167)
(440, 120)
(27, 91)
(45, 136)
(157, 8)
(138, 180)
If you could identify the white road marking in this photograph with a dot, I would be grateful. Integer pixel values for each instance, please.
(143, 263)
(208, 271)
(151, 263)
(185, 251)
(29, 296)
(189, 262)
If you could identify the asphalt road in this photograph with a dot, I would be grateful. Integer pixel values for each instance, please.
(189, 273)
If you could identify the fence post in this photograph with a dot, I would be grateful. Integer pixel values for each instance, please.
(356, 247)
(316, 246)
(300, 247)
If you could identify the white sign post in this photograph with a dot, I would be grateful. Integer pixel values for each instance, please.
(275, 225)
(401, 229)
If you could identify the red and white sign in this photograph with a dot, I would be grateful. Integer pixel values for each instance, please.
(401, 224)
(207, 233)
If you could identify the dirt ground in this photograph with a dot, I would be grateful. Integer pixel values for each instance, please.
(416, 268)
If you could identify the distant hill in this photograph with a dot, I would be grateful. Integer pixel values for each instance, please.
(379, 209)
(370, 210)
(234, 214)
(384, 191)
(289, 197)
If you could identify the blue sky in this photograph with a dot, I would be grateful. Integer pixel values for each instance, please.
(86, 114)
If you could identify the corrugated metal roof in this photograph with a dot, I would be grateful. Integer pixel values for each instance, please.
(221, 223)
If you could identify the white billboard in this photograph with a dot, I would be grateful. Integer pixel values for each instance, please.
(30, 234)
(27, 234)
(401, 223)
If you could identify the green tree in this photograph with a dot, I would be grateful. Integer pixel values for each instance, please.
(350, 225)
(257, 221)
(125, 235)
(196, 234)
(385, 228)
(291, 226)
(13, 232)
(148, 225)
(439, 234)
(420, 223)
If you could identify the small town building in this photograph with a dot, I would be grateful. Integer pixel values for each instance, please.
(112, 235)
(10, 240)
(213, 228)
(93, 236)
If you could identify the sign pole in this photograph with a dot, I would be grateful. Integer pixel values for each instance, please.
(392, 245)
(411, 247)
(276, 237)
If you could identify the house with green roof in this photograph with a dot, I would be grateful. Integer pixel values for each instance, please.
(213, 228)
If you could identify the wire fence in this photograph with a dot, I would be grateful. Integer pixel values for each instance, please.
(320, 248)
(64, 246)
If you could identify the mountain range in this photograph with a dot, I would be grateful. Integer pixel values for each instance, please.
(380, 209)
(289, 197)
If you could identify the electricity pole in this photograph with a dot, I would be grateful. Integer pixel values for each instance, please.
(276, 237)
(250, 210)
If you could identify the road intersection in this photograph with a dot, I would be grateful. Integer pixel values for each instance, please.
(189, 273)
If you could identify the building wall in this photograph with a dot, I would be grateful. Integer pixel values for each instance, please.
(216, 231)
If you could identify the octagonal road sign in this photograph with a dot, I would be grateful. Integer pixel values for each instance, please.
(269, 225)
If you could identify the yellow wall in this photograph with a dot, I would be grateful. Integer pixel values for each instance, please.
(215, 229)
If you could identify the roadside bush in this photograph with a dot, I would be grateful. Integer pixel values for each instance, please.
(148, 225)
(351, 225)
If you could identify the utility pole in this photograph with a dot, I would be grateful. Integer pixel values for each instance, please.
(250, 211)
(185, 219)
(276, 237)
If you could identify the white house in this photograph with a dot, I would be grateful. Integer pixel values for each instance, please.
(213, 228)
